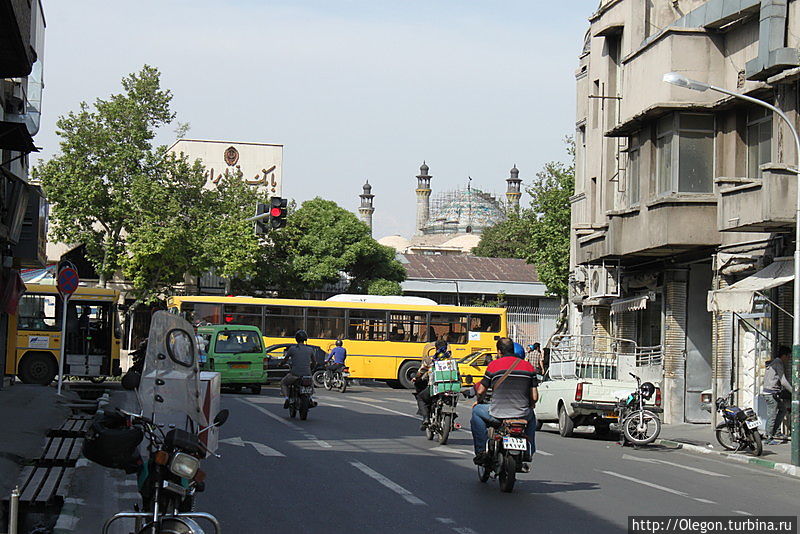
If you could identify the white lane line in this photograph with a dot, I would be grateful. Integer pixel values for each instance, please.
(705, 501)
(386, 409)
(645, 483)
(446, 520)
(442, 448)
(307, 435)
(543, 453)
(741, 512)
(673, 464)
(397, 488)
(464, 530)
(265, 450)
(332, 405)
(370, 399)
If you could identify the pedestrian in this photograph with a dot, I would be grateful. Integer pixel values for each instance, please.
(536, 357)
(777, 394)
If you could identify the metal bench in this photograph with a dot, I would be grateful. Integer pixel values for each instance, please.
(72, 427)
(61, 451)
(44, 485)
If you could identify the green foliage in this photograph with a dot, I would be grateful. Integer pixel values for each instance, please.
(498, 302)
(384, 287)
(550, 192)
(539, 234)
(137, 209)
(320, 242)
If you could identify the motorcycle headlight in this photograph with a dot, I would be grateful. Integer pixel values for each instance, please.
(184, 465)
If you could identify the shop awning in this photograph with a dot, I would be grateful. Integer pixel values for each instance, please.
(629, 304)
(14, 136)
(739, 296)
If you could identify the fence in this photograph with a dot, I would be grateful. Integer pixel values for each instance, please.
(529, 325)
(590, 356)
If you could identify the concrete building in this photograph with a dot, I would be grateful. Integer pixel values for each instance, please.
(366, 209)
(680, 193)
(23, 210)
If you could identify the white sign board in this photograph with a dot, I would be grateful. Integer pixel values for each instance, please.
(38, 342)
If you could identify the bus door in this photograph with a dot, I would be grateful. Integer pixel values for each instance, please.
(89, 338)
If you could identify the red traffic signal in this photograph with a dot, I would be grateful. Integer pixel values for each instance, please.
(277, 212)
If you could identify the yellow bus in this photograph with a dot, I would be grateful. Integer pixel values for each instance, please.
(93, 335)
(383, 341)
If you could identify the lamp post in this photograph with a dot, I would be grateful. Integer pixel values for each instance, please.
(680, 80)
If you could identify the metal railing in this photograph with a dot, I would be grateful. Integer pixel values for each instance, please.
(591, 356)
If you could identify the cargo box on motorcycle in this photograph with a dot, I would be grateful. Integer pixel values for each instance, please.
(445, 377)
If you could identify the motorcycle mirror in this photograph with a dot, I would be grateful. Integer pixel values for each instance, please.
(221, 417)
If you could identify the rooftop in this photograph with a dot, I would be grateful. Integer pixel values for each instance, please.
(468, 268)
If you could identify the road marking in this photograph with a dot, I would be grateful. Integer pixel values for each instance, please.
(400, 490)
(262, 449)
(741, 512)
(543, 453)
(446, 520)
(705, 501)
(645, 483)
(308, 435)
(673, 464)
(385, 409)
(370, 399)
(464, 530)
(442, 448)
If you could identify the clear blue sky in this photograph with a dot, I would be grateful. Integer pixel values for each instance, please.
(354, 89)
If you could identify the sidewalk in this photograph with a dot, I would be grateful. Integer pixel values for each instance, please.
(700, 438)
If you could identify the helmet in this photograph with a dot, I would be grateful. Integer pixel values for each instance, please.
(647, 390)
(440, 345)
(338, 342)
(301, 336)
(519, 350)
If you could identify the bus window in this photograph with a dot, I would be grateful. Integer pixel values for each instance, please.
(243, 314)
(325, 323)
(89, 328)
(367, 325)
(406, 327)
(484, 323)
(283, 321)
(38, 312)
(199, 313)
(450, 327)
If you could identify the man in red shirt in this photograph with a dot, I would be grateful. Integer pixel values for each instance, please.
(514, 398)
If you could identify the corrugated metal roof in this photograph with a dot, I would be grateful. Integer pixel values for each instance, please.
(447, 267)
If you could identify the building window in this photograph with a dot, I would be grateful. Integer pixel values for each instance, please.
(759, 140)
(634, 155)
(685, 153)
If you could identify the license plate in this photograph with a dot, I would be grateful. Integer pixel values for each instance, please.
(307, 390)
(754, 424)
(240, 365)
(514, 444)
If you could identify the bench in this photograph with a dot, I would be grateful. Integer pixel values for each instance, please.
(61, 451)
(44, 485)
(72, 427)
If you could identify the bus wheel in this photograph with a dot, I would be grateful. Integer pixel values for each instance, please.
(407, 371)
(37, 368)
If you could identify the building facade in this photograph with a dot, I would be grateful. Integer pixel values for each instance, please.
(680, 194)
(23, 210)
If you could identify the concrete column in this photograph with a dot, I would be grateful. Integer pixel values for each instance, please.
(722, 355)
(675, 286)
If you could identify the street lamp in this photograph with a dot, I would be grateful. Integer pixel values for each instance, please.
(680, 80)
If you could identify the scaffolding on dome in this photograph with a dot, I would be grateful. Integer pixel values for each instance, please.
(467, 210)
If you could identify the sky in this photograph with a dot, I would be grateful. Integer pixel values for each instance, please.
(353, 89)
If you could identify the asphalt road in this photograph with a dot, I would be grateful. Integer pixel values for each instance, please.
(360, 464)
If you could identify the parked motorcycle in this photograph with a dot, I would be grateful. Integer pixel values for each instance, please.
(300, 397)
(168, 480)
(442, 416)
(336, 379)
(739, 428)
(133, 375)
(507, 449)
(640, 425)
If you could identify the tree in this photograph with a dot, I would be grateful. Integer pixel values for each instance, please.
(507, 239)
(320, 243)
(384, 287)
(550, 229)
(106, 153)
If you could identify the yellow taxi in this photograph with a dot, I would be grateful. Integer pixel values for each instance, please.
(473, 366)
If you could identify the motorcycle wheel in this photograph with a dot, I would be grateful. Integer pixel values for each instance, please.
(641, 427)
(429, 431)
(754, 439)
(342, 384)
(319, 378)
(726, 437)
(304, 405)
(484, 473)
(328, 381)
(447, 424)
(292, 409)
(508, 474)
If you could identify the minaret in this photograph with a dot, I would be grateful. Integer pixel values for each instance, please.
(366, 209)
(513, 192)
(423, 197)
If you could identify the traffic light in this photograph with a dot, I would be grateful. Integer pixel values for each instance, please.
(260, 226)
(277, 212)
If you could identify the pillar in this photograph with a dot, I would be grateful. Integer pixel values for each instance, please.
(674, 387)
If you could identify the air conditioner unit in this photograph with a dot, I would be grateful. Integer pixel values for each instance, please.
(579, 274)
(604, 280)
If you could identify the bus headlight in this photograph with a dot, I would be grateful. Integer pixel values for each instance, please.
(184, 465)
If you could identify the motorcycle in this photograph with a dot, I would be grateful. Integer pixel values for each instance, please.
(507, 450)
(639, 424)
(739, 428)
(300, 397)
(442, 416)
(336, 379)
(133, 375)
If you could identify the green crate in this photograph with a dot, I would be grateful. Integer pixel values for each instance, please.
(443, 387)
(445, 376)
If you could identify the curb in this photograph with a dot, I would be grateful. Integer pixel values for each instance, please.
(786, 469)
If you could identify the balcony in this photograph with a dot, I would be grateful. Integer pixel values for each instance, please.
(766, 204)
(21, 36)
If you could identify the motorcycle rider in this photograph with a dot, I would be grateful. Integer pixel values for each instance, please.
(422, 380)
(514, 398)
(336, 358)
(301, 360)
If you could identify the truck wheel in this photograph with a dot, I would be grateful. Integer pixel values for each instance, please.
(406, 373)
(566, 425)
(37, 368)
